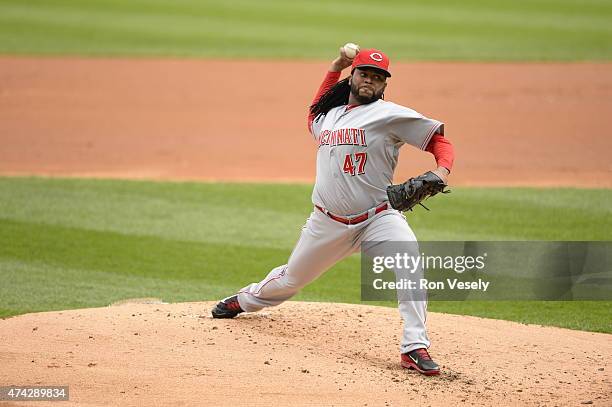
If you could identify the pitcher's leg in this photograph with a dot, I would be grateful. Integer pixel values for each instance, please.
(322, 244)
(391, 226)
(253, 297)
(414, 336)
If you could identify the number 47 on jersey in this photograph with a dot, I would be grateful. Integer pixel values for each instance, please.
(354, 164)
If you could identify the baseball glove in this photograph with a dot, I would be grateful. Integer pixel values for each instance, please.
(406, 196)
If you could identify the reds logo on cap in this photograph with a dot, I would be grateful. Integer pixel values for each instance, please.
(376, 56)
(372, 58)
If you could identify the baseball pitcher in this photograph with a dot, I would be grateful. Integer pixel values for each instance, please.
(358, 135)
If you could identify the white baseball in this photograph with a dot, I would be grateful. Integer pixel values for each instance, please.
(351, 50)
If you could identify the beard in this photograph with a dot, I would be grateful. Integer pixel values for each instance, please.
(364, 100)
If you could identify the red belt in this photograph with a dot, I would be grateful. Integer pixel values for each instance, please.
(357, 219)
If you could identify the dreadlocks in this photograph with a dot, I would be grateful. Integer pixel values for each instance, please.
(338, 95)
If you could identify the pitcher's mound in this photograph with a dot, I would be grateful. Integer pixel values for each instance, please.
(148, 354)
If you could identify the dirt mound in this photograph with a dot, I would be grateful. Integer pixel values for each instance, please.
(511, 124)
(137, 354)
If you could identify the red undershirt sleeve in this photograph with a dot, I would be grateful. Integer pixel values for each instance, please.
(443, 151)
(331, 78)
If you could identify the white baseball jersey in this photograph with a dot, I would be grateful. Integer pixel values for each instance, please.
(358, 152)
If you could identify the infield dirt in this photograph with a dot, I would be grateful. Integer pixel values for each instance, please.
(511, 124)
(300, 354)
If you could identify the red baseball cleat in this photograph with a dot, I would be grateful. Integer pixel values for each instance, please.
(227, 308)
(420, 361)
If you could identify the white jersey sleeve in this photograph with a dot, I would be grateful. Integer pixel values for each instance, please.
(411, 127)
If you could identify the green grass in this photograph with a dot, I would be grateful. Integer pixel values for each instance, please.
(483, 30)
(73, 243)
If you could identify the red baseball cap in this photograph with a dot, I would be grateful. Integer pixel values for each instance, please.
(371, 58)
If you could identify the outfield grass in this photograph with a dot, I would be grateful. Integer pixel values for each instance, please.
(72, 243)
(483, 30)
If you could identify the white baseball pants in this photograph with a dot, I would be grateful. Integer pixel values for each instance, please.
(323, 243)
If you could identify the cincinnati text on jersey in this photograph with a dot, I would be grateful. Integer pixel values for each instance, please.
(354, 137)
